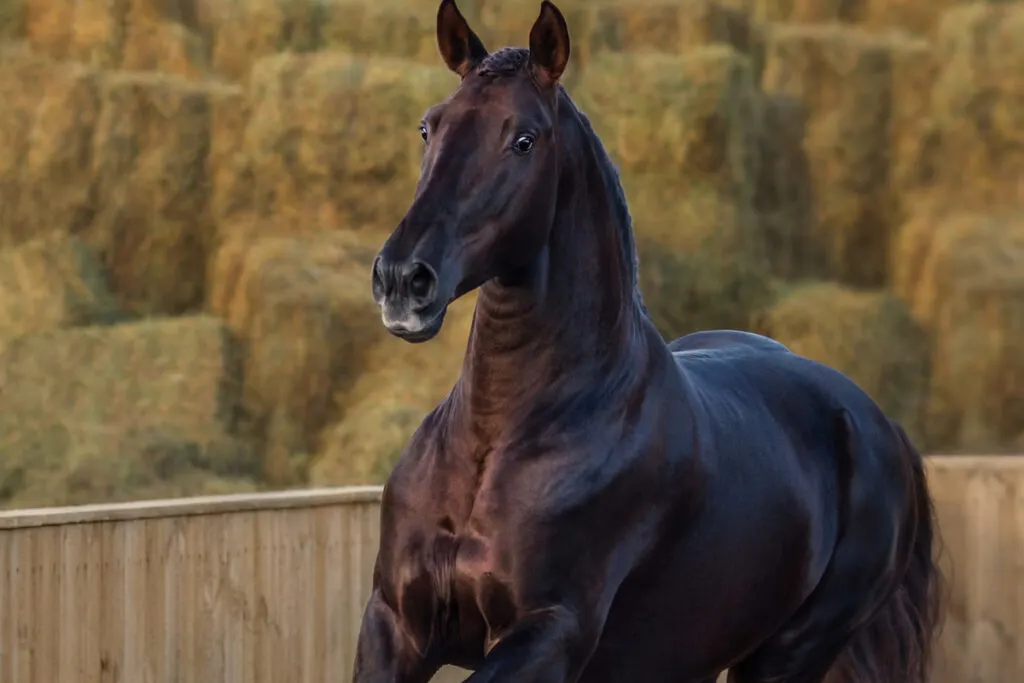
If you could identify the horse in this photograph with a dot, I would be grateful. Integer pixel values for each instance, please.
(590, 503)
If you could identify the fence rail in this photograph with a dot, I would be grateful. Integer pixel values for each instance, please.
(268, 588)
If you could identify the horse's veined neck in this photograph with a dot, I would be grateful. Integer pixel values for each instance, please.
(578, 310)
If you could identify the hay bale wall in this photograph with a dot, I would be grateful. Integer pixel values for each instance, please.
(135, 403)
(242, 161)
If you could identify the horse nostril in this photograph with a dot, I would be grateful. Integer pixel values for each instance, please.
(421, 282)
(378, 278)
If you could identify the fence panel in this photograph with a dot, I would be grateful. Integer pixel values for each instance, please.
(270, 588)
(980, 503)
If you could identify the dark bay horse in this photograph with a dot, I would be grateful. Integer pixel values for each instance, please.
(590, 503)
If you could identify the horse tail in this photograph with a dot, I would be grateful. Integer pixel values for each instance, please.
(896, 644)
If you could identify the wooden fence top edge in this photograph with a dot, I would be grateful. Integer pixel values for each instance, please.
(282, 500)
(183, 507)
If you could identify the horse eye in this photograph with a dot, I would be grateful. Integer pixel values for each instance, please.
(523, 144)
(423, 133)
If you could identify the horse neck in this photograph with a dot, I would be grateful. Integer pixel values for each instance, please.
(571, 323)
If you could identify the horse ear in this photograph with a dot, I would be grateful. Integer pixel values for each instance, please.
(549, 45)
(460, 48)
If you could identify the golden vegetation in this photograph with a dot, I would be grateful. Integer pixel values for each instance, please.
(191, 194)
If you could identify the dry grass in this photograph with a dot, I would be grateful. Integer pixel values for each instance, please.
(915, 68)
(153, 227)
(623, 26)
(844, 76)
(384, 27)
(12, 19)
(104, 413)
(303, 309)
(869, 336)
(243, 31)
(331, 139)
(56, 462)
(164, 46)
(52, 282)
(784, 193)
(400, 383)
(961, 274)
(687, 136)
(696, 116)
(800, 11)
(702, 258)
(971, 142)
(179, 373)
(23, 76)
(88, 31)
(121, 159)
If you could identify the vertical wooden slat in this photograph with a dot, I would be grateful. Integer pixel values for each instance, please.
(335, 624)
(112, 603)
(6, 607)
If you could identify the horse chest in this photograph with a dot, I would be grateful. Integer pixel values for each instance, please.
(472, 597)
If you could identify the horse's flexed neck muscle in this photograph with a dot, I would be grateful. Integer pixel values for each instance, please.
(567, 321)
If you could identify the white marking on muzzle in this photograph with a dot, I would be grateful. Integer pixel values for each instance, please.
(407, 323)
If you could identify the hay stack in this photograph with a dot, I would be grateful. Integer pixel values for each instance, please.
(385, 27)
(918, 17)
(845, 78)
(970, 144)
(702, 259)
(783, 197)
(400, 383)
(915, 69)
(695, 116)
(52, 282)
(87, 31)
(687, 136)
(52, 462)
(56, 179)
(154, 228)
(667, 26)
(332, 135)
(12, 20)
(241, 32)
(304, 310)
(179, 373)
(22, 77)
(869, 336)
(962, 277)
(801, 11)
(165, 46)
(670, 26)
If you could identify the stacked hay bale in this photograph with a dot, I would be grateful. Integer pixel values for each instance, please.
(869, 336)
(302, 307)
(153, 225)
(398, 385)
(331, 140)
(844, 78)
(686, 137)
(969, 139)
(69, 394)
(962, 275)
(52, 282)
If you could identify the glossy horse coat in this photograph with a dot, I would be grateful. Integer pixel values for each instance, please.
(590, 503)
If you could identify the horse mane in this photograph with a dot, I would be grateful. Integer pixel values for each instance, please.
(510, 61)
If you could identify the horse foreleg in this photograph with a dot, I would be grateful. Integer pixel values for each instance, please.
(384, 653)
(547, 646)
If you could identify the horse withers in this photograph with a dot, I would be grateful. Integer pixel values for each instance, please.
(590, 503)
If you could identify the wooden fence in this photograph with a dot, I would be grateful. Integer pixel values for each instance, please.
(270, 588)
